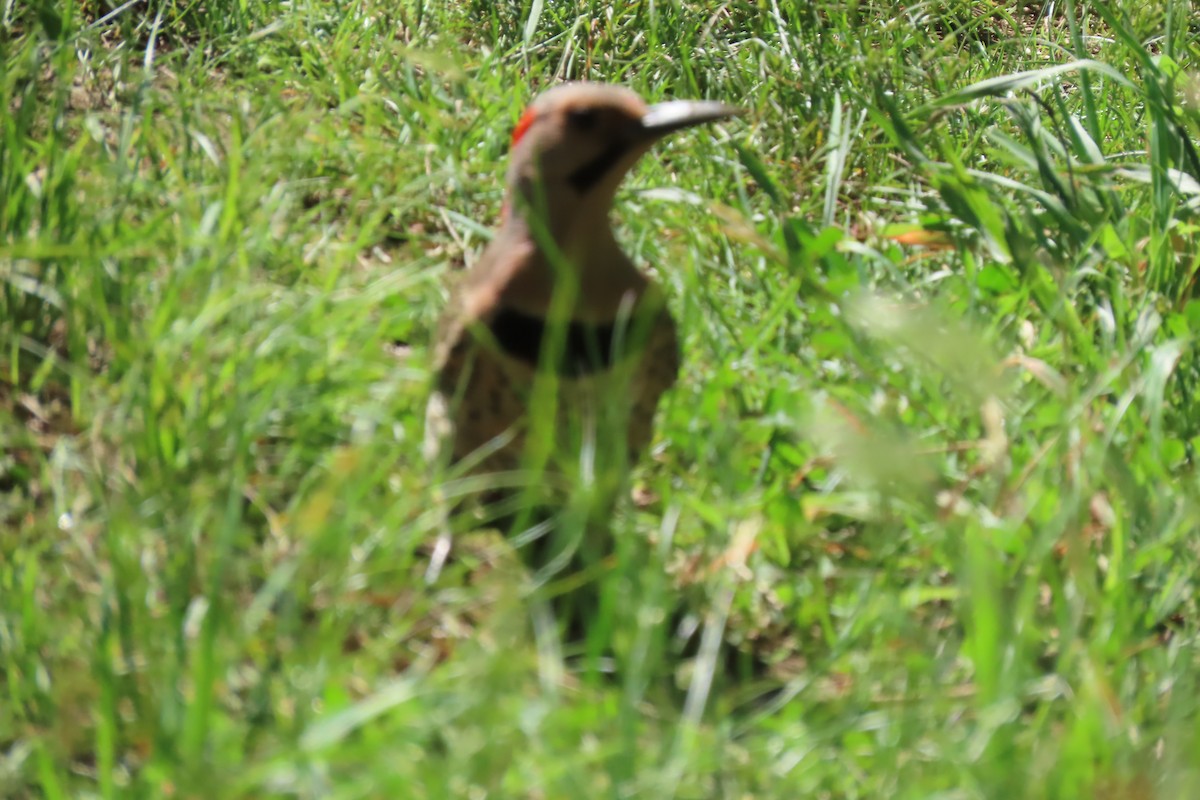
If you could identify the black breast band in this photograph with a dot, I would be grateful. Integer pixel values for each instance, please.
(586, 347)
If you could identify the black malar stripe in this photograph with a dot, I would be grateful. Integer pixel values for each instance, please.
(592, 172)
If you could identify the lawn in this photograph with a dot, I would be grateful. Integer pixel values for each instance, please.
(930, 463)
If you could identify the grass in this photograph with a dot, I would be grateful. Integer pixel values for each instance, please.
(932, 453)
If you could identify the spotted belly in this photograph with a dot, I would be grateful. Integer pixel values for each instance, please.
(494, 412)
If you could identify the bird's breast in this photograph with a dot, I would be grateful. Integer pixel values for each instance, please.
(574, 349)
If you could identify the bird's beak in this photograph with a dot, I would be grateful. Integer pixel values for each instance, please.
(663, 118)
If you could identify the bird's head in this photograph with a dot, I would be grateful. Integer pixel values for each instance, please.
(576, 141)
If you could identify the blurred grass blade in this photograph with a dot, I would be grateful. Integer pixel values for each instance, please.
(341, 724)
(1006, 84)
(531, 21)
(758, 171)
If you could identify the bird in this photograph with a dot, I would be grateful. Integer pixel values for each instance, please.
(554, 348)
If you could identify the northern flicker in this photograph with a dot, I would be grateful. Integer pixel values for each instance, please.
(555, 348)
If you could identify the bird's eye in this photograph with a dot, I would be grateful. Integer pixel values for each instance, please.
(582, 119)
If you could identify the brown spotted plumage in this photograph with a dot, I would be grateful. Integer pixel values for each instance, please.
(555, 349)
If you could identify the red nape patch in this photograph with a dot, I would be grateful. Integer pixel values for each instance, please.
(523, 124)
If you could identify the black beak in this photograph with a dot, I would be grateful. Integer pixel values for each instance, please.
(663, 118)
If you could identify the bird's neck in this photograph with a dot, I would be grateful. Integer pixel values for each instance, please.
(569, 249)
(569, 224)
(576, 234)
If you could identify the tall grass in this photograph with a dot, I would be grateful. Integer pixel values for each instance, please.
(931, 456)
